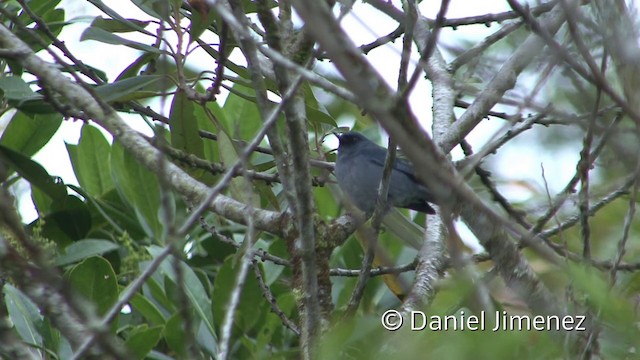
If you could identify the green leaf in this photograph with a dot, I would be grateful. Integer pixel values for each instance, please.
(142, 340)
(409, 232)
(53, 340)
(114, 15)
(83, 249)
(20, 95)
(90, 160)
(36, 105)
(133, 70)
(242, 118)
(101, 35)
(15, 88)
(28, 134)
(196, 292)
(153, 290)
(210, 251)
(205, 124)
(55, 22)
(176, 4)
(95, 279)
(200, 23)
(69, 220)
(33, 173)
(97, 72)
(139, 187)
(237, 69)
(272, 323)
(174, 334)
(316, 112)
(251, 6)
(252, 303)
(54, 19)
(134, 88)
(115, 212)
(24, 315)
(38, 7)
(156, 8)
(184, 126)
(114, 26)
(147, 309)
(41, 201)
(237, 186)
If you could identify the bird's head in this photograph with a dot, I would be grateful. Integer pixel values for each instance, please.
(350, 139)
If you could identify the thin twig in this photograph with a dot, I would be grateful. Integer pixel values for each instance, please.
(273, 302)
(628, 220)
(483, 45)
(245, 263)
(560, 198)
(594, 76)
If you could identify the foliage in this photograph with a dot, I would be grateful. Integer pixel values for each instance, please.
(135, 262)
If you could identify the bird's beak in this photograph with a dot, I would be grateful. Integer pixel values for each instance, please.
(336, 134)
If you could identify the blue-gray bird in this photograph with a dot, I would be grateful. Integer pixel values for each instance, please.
(359, 167)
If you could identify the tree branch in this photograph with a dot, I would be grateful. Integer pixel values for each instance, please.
(431, 166)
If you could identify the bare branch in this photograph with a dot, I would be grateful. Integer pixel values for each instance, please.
(504, 80)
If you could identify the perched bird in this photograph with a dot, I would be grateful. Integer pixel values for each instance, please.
(359, 167)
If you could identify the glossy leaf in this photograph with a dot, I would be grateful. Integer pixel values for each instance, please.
(115, 15)
(41, 201)
(35, 105)
(101, 35)
(113, 25)
(135, 67)
(15, 88)
(147, 309)
(174, 334)
(211, 151)
(139, 187)
(241, 115)
(95, 280)
(113, 209)
(251, 305)
(138, 87)
(142, 340)
(200, 22)
(33, 173)
(83, 249)
(28, 134)
(184, 126)
(199, 297)
(237, 69)
(24, 315)
(36, 38)
(229, 155)
(68, 220)
(40, 8)
(156, 8)
(90, 161)
(155, 292)
(316, 112)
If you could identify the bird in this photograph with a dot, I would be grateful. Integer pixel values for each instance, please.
(358, 169)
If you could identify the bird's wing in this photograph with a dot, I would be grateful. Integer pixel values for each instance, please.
(400, 165)
(406, 168)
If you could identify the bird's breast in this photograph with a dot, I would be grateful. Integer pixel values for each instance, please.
(359, 181)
